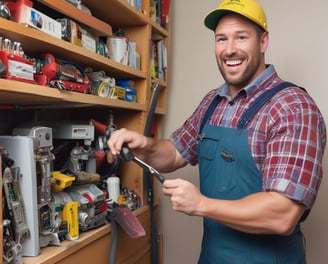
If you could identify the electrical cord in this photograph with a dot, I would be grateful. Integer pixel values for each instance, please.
(114, 243)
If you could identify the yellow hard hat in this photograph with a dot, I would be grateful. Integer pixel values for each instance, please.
(247, 8)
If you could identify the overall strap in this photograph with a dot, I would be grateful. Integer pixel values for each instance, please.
(252, 110)
(259, 102)
(210, 111)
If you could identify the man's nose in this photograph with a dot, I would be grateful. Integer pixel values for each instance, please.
(231, 47)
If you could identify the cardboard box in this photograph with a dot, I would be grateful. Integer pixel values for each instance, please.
(22, 12)
(88, 41)
(71, 31)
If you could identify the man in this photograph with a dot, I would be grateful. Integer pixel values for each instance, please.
(258, 142)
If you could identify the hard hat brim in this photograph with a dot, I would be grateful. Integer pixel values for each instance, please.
(212, 18)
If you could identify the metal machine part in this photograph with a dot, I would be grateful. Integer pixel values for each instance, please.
(12, 251)
(42, 139)
(42, 143)
(21, 150)
(92, 209)
(14, 199)
(4, 11)
(81, 162)
(102, 140)
(18, 224)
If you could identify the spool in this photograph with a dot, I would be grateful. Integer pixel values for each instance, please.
(113, 188)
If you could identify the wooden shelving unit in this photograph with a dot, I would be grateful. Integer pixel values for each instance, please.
(107, 16)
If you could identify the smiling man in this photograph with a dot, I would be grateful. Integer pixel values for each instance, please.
(239, 49)
(259, 143)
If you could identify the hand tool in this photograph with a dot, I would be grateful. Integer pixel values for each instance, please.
(127, 155)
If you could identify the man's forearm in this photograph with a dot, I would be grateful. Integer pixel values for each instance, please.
(260, 213)
(162, 155)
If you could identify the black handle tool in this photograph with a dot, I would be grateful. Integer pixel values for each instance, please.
(127, 155)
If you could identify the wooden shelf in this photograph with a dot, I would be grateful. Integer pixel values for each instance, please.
(54, 254)
(158, 30)
(18, 94)
(79, 16)
(57, 254)
(111, 12)
(35, 42)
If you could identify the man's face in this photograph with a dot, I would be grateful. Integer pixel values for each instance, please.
(239, 51)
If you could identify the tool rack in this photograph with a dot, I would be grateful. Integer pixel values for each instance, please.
(25, 98)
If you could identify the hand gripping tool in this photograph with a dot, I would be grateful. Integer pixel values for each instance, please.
(127, 155)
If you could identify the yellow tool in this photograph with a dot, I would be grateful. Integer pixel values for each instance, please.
(71, 216)
(62, 181)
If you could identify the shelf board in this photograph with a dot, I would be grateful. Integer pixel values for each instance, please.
(78, 15)
(160, 110)
(36, 42)
(159, 82)
(158, 30)
(20, 94)
(54, 254)
(111, 12)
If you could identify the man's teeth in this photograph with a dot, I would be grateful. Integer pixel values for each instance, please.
(233, 62)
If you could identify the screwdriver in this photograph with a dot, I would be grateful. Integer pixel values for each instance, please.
(127, 155)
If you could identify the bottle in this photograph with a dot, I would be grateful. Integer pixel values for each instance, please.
(113, 188)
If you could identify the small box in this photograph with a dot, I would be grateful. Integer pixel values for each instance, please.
(71, 31)
(88, 41)
(17, 67)
(22, 12)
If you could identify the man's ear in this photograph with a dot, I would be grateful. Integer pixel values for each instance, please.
(264, 42)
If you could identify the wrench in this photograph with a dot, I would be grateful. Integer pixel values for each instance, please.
(127, 155)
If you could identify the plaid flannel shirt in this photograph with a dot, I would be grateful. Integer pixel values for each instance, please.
(287, 137)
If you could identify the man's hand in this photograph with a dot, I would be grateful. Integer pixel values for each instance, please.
(185, 196)
(160, 154)
(118, 138)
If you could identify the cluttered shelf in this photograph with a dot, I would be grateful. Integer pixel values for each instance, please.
(15, 94)
(58, 254)
(37, 42)
(41, 46)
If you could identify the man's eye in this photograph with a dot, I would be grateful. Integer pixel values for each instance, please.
(220, 39)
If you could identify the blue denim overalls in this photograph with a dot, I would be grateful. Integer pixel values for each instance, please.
(228, 171)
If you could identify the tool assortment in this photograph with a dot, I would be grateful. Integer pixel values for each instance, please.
(51, 170)
(48, 69)
(55, 183)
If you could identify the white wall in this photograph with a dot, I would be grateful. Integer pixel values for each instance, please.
(298, 49)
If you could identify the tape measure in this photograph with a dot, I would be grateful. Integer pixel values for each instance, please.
(102, 89)
(102, 85)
